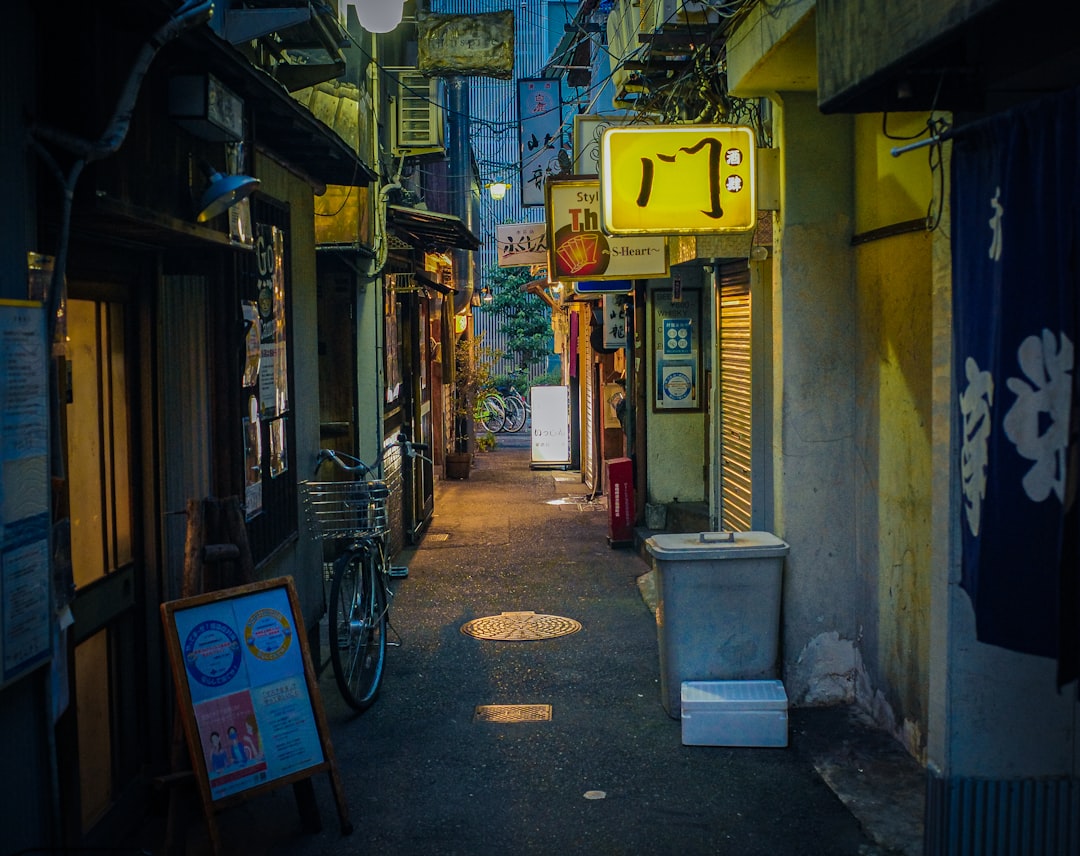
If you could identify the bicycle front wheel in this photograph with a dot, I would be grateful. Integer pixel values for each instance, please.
(491, 414)
(358, 626)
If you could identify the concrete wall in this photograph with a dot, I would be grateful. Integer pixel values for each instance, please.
(814, 417)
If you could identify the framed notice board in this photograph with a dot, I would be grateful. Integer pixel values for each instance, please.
(247, 694)
(676, 337)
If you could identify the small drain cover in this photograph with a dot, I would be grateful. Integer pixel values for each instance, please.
(520, 627)
(512, 713)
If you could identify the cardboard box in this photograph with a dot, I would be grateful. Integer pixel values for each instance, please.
(734, 713)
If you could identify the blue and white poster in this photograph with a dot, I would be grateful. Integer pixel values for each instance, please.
(244, 667)
(1015, 280)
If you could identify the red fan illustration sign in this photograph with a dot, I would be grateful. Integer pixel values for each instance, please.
(579, 250)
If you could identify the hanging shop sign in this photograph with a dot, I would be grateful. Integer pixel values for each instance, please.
(686, 179)
(544, 149)
(578, 250)
(476, 44)
(521, 244)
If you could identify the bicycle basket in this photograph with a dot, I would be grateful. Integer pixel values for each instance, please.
(346, 509)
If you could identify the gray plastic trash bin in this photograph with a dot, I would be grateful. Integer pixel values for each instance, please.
(718, 607)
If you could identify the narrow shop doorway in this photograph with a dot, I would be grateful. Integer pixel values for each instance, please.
(100, 730)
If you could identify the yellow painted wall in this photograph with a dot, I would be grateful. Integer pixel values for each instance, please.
(894, 390)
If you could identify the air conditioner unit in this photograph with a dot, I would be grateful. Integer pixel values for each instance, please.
(416, 126)
(656, 14)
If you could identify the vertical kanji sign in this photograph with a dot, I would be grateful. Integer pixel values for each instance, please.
(686, 179)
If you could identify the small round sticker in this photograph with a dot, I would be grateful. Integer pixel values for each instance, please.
(677, 386)
(268, 634)
(212, 653)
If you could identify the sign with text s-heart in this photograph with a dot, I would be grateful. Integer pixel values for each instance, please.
(579, 250)
(678, 179)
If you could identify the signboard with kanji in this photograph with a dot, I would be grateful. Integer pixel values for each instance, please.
(521, 244)
(579, 250)
(678, 179)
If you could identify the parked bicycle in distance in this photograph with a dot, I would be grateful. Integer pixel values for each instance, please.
(501, 411)
(354, 513)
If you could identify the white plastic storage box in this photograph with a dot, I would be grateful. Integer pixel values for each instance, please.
(734, 713)
(718, 607)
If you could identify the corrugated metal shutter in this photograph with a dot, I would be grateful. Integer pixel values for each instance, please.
(735, 407)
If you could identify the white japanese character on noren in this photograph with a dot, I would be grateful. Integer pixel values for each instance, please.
(1038, 422)
(995, 225)
(975, 403)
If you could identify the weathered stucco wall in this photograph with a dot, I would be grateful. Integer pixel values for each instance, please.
(824, 607)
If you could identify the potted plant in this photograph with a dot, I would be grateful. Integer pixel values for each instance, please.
(472, 373)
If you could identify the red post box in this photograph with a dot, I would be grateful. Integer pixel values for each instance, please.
(620, 490)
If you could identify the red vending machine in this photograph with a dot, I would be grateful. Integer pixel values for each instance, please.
(620, 488)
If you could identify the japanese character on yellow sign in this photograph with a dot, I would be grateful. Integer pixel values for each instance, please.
(677, 179)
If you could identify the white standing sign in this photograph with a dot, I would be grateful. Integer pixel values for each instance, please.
(550, 425)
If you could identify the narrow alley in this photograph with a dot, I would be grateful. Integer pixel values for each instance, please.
(424, 773)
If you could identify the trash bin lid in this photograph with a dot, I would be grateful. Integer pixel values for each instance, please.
(694, 546)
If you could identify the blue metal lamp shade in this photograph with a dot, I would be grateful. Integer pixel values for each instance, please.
(224, 192)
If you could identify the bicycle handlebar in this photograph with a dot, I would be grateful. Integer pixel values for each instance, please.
(409, 448)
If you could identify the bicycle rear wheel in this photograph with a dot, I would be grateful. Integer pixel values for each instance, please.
(357, 626)
(515, 415)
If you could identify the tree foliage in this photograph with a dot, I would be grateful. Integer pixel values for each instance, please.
(524, 318)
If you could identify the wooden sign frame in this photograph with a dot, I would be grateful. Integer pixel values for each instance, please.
(247, 694)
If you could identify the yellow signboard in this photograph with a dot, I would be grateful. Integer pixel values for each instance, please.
(677, 179)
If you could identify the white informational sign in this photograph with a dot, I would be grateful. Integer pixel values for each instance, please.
(550, 425)
(25, 587)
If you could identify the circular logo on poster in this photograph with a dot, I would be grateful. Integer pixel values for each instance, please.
(581, 254)
(268, 634)
(677, 386)
(212, 653)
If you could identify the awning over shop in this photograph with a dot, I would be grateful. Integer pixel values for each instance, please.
(428, 282)
(429, 230)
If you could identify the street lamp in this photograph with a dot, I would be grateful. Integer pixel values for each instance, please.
(498, 189)
(378, 16)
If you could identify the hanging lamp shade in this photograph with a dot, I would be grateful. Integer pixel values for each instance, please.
(378, 16)
(224, 192)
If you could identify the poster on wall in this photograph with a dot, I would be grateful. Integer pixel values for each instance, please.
(273, 364)
(676, 339)
(25, 589)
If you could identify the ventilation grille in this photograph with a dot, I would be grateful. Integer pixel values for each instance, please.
(978, 817)
(418, 116)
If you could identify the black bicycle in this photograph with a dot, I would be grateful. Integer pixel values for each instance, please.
(354, 512)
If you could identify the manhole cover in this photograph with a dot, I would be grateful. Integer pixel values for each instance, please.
(520, 627)
(512, 713)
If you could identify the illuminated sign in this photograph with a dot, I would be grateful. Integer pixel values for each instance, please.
(579, 250)
(678, 179)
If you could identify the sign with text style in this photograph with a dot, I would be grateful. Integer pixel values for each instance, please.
(681, 179)
(579, 250)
